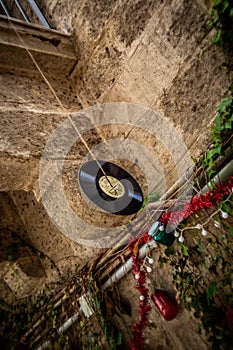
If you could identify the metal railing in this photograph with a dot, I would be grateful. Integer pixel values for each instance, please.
(42, 20)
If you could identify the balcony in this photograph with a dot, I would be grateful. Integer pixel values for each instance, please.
(23, 27)
(25, 10)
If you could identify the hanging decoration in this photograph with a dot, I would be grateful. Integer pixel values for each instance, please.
(229, 312)
(157, 233)
(144, 306)
(165, 306)
(110, 187)
(200, 201)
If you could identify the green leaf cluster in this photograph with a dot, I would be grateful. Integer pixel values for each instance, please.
(222, 21)
(223, 123)
(221, 134)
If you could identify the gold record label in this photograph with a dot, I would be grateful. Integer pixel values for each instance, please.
(111, 186)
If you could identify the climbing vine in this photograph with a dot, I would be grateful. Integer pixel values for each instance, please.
(222, 21)
(209, 299)
(41, 320)
(203, 277)
(222, 137)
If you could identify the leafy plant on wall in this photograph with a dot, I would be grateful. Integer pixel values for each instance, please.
(222, 136)
(222, 21)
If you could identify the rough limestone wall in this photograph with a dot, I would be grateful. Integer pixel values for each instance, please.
(33, 251)
(29, 115)
(153, 53)
(156, 54)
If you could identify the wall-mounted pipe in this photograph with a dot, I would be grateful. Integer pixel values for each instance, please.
(222, 176)
(35, 8)
(122, 271)
(63, 328)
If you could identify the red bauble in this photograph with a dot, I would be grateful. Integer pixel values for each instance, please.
(165, 306)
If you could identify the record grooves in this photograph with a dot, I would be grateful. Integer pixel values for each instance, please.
(114, 191)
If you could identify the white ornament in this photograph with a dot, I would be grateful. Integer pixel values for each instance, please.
(147, 341)
(204, 232)
(150, 261)
(152, 244)
(176, 234)
(224, 214)
(161, 228)
(148, 269)
(181, 239)
(199, 226)
(217, 224)
(141, 297)
(137, 276)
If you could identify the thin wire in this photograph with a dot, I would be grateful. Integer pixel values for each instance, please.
(58, 100)
(89, 150)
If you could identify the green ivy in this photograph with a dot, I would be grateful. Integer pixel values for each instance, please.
(222, 128)
(201, 303)
(221, 134)
(222, 21)
(104, 312)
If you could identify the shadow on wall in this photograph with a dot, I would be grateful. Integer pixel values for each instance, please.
(21, 266)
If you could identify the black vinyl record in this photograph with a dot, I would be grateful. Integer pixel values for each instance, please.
(110, 187)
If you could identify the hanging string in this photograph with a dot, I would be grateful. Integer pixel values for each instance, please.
(89, 150)
(65, 110)
(58, 100)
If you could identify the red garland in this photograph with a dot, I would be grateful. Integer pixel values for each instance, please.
(200, 201)
(144, 307)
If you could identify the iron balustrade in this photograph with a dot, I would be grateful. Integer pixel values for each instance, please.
(43, 21)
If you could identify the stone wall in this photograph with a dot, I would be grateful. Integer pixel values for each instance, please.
(156, 54)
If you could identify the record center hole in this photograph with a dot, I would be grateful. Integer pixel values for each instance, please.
(111, 186)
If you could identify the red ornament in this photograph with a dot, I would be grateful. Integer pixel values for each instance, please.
(229, 316)
(165, 306)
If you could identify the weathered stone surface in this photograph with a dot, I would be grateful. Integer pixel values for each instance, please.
(19, 173)
(25, 217)
(142, 52)
(151, 53)
(192, 99)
